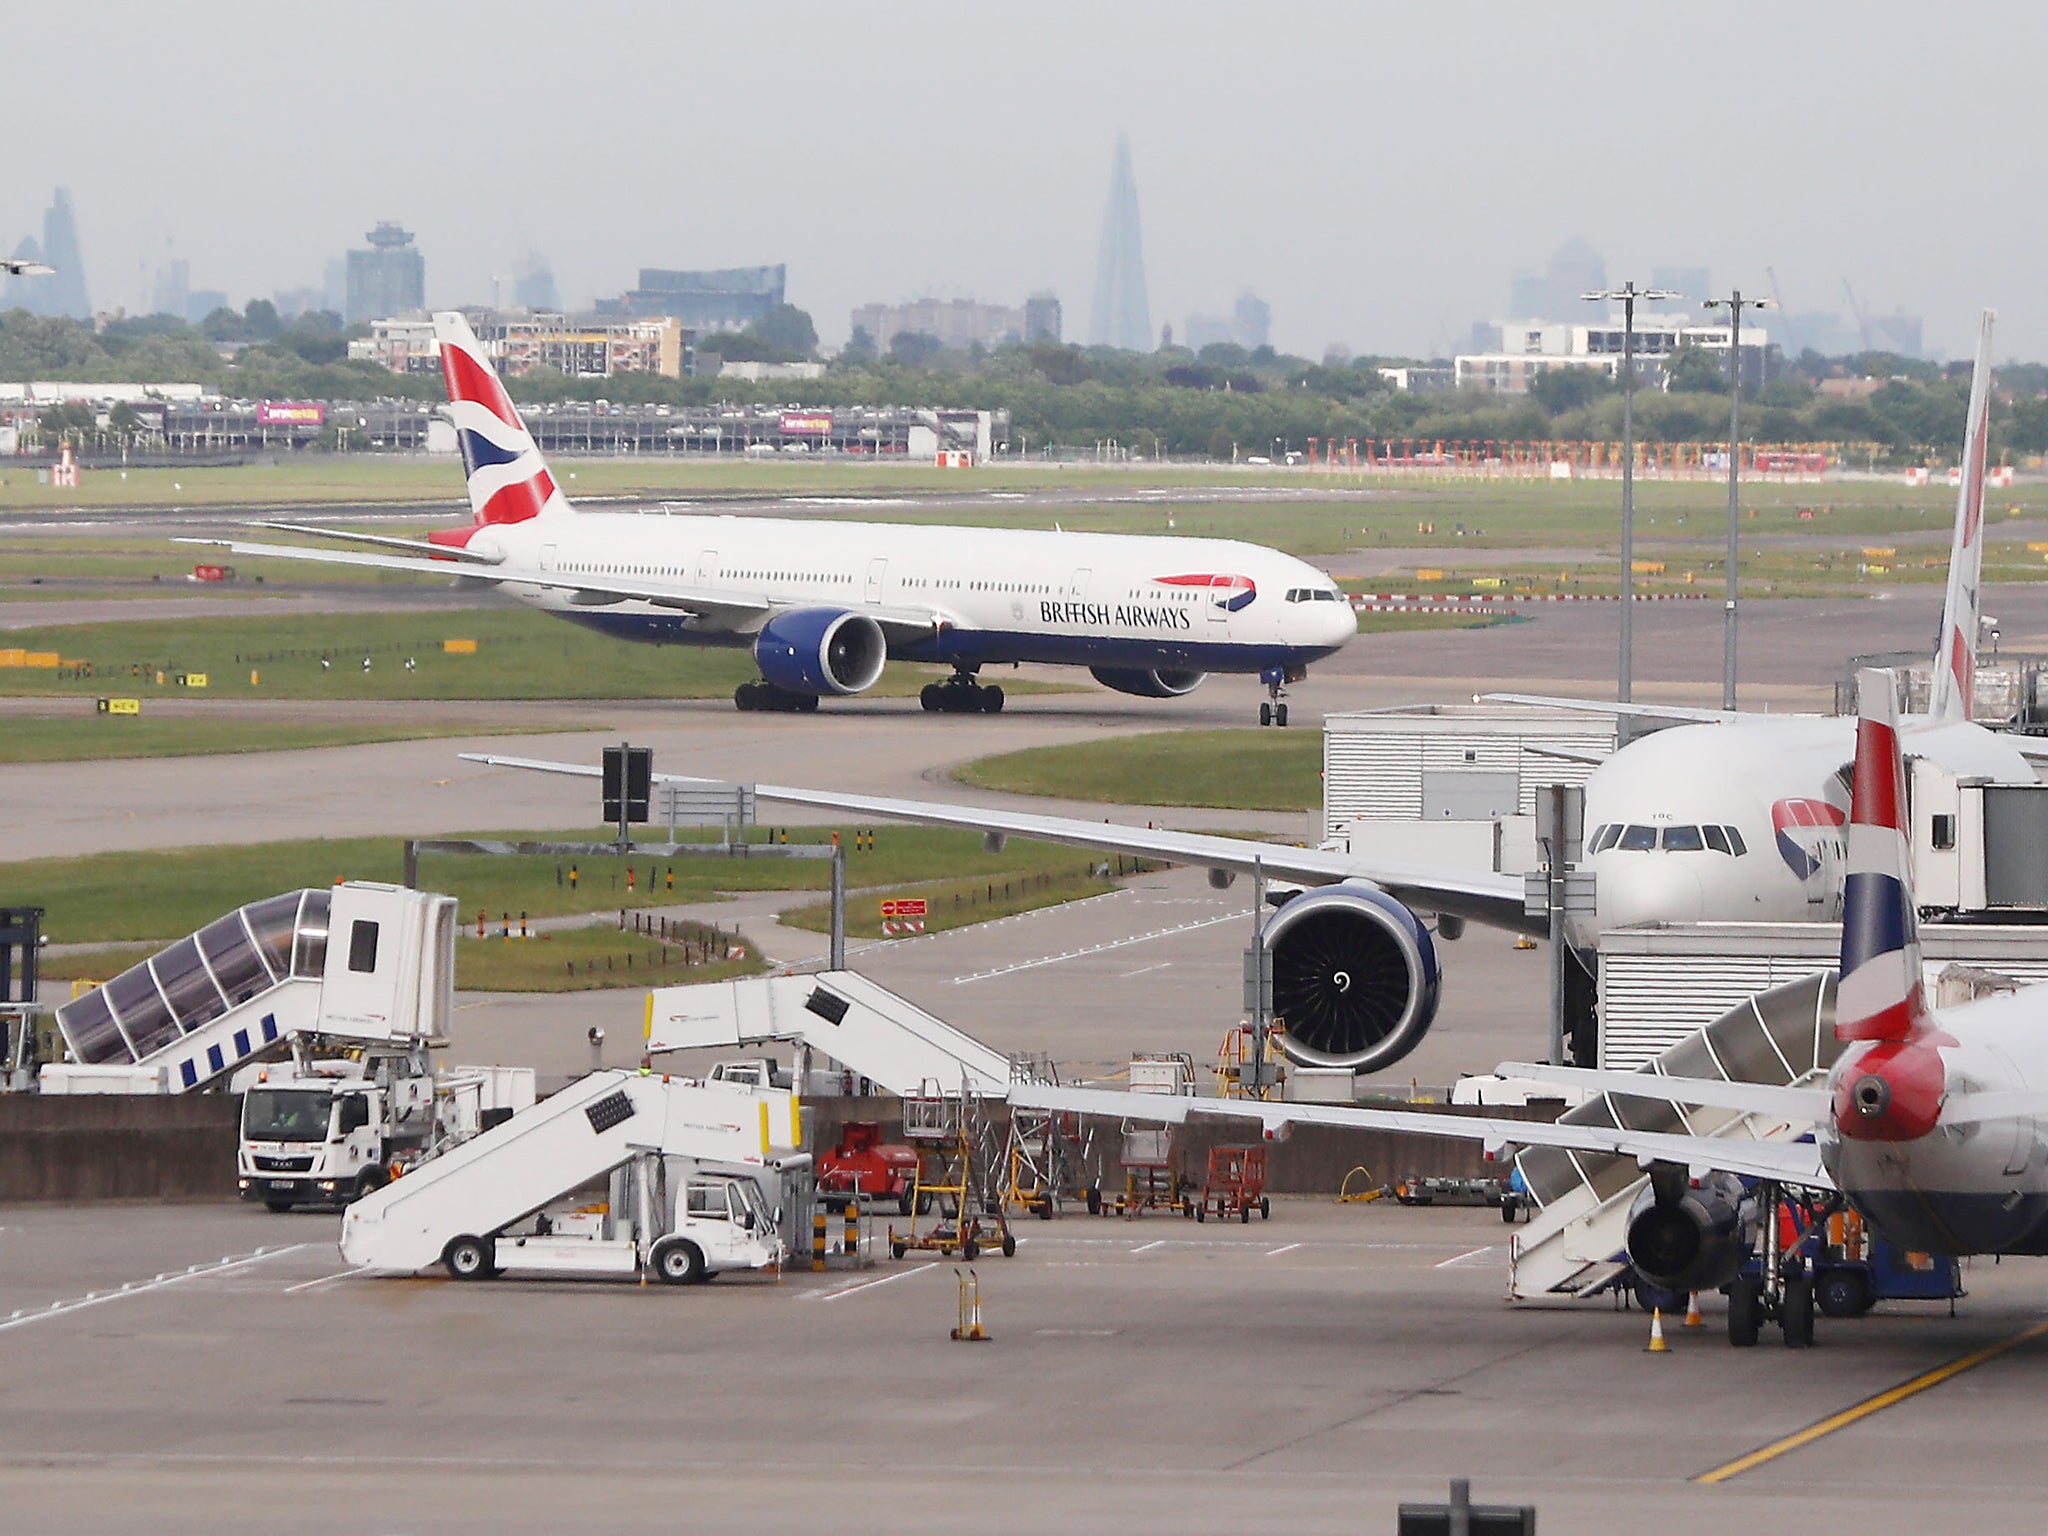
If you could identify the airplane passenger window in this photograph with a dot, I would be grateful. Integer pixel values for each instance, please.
(1716, 839)
(1735, 843)
(1637, 839)
(1683, 840)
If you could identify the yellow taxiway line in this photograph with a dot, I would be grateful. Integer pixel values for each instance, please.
(1857, 1412)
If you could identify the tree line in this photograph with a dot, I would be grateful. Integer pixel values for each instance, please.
(1223, 402)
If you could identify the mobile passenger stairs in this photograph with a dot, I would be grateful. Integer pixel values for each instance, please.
(370, 967)
(1575, 1244)
(699, 1174)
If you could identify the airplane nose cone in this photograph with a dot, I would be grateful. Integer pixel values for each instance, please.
(1648, 888)
(1341, 623)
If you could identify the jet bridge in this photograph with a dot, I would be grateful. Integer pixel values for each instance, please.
(864, 1027)
(362, 962)
(1575, 1244)
(598, 1123)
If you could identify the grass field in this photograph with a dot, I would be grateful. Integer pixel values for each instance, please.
(1250, 770)
(109, 898)
(961, 903)
(43, 739)
(519, 654)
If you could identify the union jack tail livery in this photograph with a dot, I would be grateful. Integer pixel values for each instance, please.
(1955, 659)
(508, 480)
(1881, 996)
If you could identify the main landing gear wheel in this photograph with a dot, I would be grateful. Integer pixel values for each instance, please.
(1745, 1310)
(1798, 1313)
(768, 697)
(960, 694)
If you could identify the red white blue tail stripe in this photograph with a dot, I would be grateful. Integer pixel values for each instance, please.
(508, 480)
(1882, 996)
(1955, 659)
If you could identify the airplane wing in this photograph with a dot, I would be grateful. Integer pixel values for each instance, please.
(443, 552)
(586, 589)
(1628, 711)
(1790, 1162)
(1785, 1103)
(1494, 900)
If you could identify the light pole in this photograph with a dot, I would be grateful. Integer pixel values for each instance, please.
(1628, 293)
(1734, 305)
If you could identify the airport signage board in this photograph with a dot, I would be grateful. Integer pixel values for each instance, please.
(906, 906)
(805, 424)
(291, 413)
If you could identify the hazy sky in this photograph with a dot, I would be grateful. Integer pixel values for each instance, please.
(1377, 173)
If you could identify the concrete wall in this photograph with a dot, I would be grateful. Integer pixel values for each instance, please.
(118, 1147)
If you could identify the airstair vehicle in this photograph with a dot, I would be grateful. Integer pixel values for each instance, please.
(866, 1028)
(696, 1173)
(1575, 1243)
(362, 963)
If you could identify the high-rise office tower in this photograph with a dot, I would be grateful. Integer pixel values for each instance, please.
(1123, 317)
(63, 291)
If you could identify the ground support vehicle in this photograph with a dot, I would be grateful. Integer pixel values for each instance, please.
(324, 1132)
(1449, 1191)
(865, 1168)
(694, 1173)
(1851, 1269)
(1235, 1185)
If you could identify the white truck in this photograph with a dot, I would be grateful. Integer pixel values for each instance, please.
(698, 1177)
(327, 1132)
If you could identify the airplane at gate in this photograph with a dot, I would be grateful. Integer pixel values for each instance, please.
(1929, 1124)
(825, 605)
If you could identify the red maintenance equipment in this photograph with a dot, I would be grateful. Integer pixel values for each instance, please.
(1235, 1185)
(864, 1167)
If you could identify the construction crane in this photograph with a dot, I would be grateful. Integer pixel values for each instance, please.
(1862, 321)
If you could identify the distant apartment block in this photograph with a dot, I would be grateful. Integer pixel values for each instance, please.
(1249, 325)
(961, 323)
(1529, 348)
(579, 348)
(389, 278)
(722, 299)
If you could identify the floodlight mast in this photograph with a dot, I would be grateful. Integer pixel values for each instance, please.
(1627, 294)
(1734, 304)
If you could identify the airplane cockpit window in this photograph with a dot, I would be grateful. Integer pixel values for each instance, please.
(1735, 843)
(1637, 839)
(1683, 840)
(1294, 594)
(1603, 837)
(1717, 839)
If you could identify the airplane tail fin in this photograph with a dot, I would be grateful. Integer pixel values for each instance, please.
(509, 481)
(1955, 659)
(1881, 996)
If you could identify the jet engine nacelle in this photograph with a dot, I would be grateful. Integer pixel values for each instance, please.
(821, 650)
(1355, 977)
(1688, 1237)
(1153, 683)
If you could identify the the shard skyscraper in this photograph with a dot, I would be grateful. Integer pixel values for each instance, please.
(1123, 317)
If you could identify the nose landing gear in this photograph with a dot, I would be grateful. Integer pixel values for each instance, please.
(960, 694)
(1276, 679)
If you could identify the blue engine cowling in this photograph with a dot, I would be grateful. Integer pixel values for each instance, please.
(821, 650)
(1355, 977)
(1148, 683)
(1688, 1236)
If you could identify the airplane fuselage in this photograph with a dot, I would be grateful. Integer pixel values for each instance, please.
(1002, 595)
(1744, 822)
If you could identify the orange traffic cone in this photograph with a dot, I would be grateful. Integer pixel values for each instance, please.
(1692, 1312)
(1657, 1345)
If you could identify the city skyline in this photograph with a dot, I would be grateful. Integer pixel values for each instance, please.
(1382, 220)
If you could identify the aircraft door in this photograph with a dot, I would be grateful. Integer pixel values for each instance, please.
(1077, 584)
(1219, 599)
(547, 557)
(876, 568)
(707, 567)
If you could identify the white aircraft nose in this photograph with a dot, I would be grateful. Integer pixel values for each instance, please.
(1338, 625)
(1648, 888)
